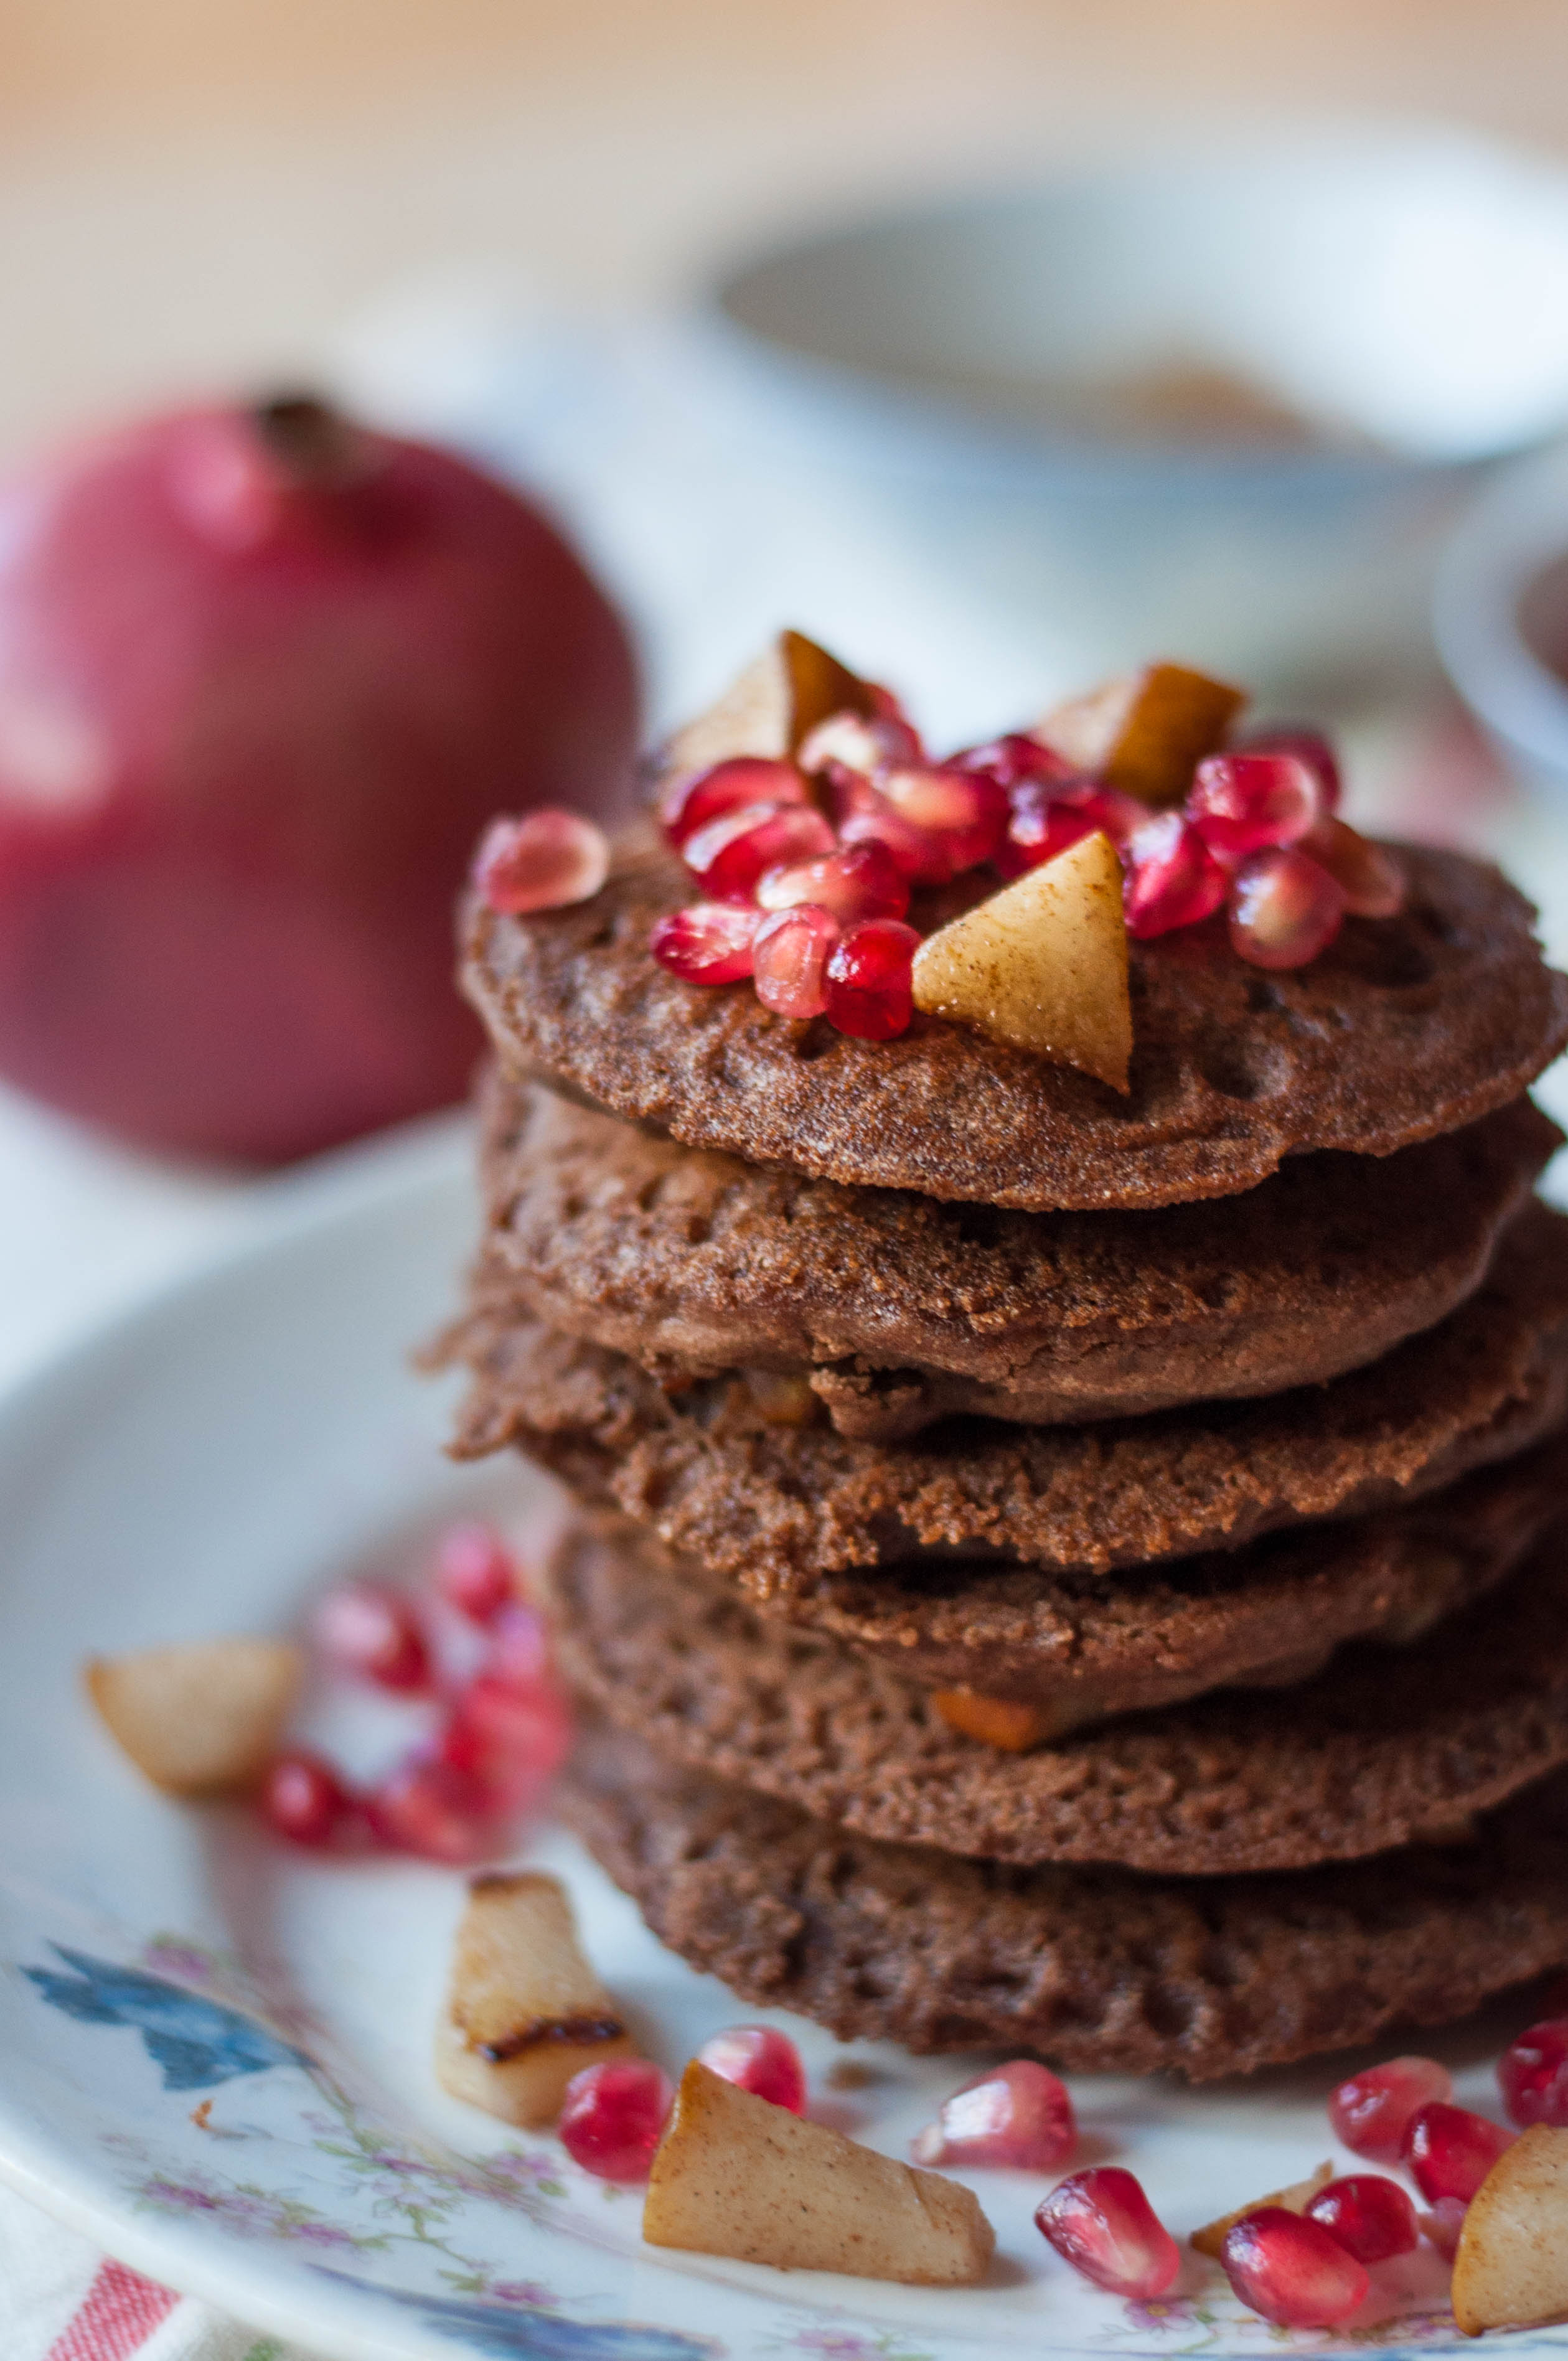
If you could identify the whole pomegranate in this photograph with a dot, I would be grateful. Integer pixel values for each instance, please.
(264, 677)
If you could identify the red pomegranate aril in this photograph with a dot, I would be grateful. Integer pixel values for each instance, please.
(518, 1650)
(1103, 2225)
(967, 812)
(789, 959)
(1284, 909)
(1172, 878)
(1371, 2217)
(302, 1798)
(690, 803)
(1372, 2111)
(1046, 821)
(513, 1741)
(861, 742)
(1013, 759)
(759, 2060)
(1368, 876)
(1532, 2074)
(861, 881)
(613, 2117)
(375, 1635)
(1441, 2227)
(870, 988)
(544, 861)
(1450, 2151)
(474, 1571)
(1292, 2270)
(730, 855)
(1308, 746)
(435, 1808)
(708, 942)
(1017, 2114)
(1239, 803)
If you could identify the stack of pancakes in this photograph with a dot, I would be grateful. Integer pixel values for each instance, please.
(1058, 1571)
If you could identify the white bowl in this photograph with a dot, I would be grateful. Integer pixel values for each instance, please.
(1407, 288)
(1514, 536)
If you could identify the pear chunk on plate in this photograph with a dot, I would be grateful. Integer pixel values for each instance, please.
(1511, 2267)
(1145, 732)
(768, 709)
(200, 1719)
(524, 2010)
(1043, 964)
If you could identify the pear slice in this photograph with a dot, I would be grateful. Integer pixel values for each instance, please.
(1511, 2267)
(778, 700)
(1146, 731)
(524, 2010)
(200, 1719)
(735, 2175)
(1211, 2238)
(1043, 964)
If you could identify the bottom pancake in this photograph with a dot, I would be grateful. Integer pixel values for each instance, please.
(1098, 1968)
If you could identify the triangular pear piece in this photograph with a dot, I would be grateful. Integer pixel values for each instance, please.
(1145, 732)
(1042, 965)
(778, 700)
(200, 1719)
(1511, 2267)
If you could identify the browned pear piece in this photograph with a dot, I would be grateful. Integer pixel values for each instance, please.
(1511, 2267)
(1043, 964)
(1211, 2238)
(200, 1719)
(777, 700)
(524, 2010)
(1146, 731)
(736, 2175)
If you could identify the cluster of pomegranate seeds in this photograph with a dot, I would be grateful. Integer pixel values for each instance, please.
(1372, 2113)
(1018, 2114)
(1292, 2270)
(544, 861)
(1403, 2114)
(613, 2117)
(1103, 2225)
(372, 1633)
(1371, 2217)
(1450, 2151)
(1533, 2076)
(759, 2060)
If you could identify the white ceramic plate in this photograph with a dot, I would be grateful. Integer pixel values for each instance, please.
(214, 2057)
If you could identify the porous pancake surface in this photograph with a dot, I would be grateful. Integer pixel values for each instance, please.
(694, 1263)
(1403, 1028)
(778, 1506)
(1098, 1969)
(1385, 1747)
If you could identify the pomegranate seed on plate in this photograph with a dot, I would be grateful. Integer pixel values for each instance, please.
(1533, 2075)
(542, 862)
(518, 1650)
(1017, 2115)
(1368, 875)
(1292, 2270)
(1308, 746)
(869, 990)
(1241, 802)
(1173, 879)
(1046, 819)
(1371, 2217)
(302, 1798)
(1012, 759)
(364, 1628)
(966, 810)
(474, 1572)
(689, 803)
(708, 942)
(433, 1808)
(1450, 2151)
(1103, 2225)
(859, 744)
(730, 854)
(861, 881)
(1441, 2226)
(789, 957)
(1284, 908)
(759, 2060)
(613, 2117)
(512, 1740)
(1372, 2111)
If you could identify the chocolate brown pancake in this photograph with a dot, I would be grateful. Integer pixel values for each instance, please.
(778, 1506)
(1386, 1747)
(899, 1310)
(1403, 1028)
(1102, 1970)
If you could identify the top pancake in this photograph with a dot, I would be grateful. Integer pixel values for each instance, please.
(1405, 1028)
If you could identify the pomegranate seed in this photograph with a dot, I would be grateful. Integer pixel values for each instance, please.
(864, 816)
(613, 2117)
(1372, 2111)
(690, 803)
(374, 1633)
(518, 1653)
(1308, 746)
(511, 1740)
(729, 856)
(433, 1808)
(870, 988)
(1292, 2270)
(1533, 2075)
(1046, 821)
(967, 812)
(708, 942)
(542, 862)
(789, 957)
(302, 1798)
(1442, 2225)
(859, 744)
(761, 2061)
(1013, 759)
(1173, 879)
(1285, 909)
(1103, 2225)
(1450, 2151)
(1372, 2218)
(1015, 2114)
(474, 1572)
(863, 881)
(1368, 876)
(1239, 803)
